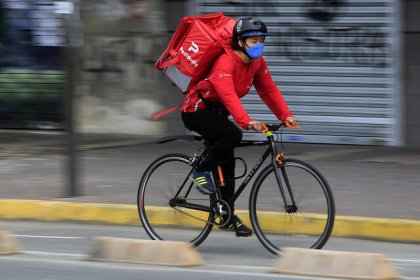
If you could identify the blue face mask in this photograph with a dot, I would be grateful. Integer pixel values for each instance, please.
(255, 51)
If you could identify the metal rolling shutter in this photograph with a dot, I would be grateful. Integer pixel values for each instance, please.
(336, 65)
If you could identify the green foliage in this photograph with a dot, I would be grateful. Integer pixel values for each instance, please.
(31, 85)
(28, 96)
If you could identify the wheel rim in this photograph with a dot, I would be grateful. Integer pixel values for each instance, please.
(309, 227)
(162, 222)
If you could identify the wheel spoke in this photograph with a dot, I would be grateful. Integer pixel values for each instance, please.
(307, 219)
(159, 184)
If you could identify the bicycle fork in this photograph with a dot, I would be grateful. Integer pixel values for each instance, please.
(277, 162)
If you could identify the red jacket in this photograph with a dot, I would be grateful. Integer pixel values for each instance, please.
(229, 80)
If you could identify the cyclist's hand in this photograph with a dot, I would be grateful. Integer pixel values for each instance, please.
(291, 122)
(255, 125)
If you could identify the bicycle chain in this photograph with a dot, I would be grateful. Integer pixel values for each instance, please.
(197, 218)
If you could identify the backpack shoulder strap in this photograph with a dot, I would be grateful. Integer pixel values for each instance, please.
(229, 52)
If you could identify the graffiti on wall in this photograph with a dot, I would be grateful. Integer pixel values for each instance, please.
(356, 45)
(322, 33)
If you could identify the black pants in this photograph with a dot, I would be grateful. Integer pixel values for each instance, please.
(223, 135)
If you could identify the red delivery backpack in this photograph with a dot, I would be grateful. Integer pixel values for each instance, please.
(195, 45)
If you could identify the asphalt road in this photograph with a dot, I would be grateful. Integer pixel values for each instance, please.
(58, 251)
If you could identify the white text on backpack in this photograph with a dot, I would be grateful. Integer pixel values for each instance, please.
(194, 48)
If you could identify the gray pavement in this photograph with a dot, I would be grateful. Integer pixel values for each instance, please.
(369, 181)
(59, 251)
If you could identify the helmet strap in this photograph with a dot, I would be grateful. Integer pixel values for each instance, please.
(243, 49)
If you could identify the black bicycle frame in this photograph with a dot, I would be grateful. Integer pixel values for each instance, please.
(181, 201)
(271, 149)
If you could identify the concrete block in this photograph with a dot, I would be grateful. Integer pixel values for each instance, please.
(335, 264)
(170, 253)
(8, 244)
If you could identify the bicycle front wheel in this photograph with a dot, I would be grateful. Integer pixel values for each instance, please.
(307, 218)
(163, 181)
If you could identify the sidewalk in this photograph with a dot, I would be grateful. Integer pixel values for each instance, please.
(377, 185)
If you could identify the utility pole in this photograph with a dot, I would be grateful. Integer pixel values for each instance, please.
(71, 14)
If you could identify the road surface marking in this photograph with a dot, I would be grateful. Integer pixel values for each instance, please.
(42, 253)
(48, 236)
(260, 271)
(407, 260)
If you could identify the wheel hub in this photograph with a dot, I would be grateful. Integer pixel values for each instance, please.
(291, 209)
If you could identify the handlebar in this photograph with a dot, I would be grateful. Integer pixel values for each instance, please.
(276, 126)
(268, 129)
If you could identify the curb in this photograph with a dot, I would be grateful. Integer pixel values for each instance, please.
(8, 244)
(123, 214)
(335, 264)
(172, 253)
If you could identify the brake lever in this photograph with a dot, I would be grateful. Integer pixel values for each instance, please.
(291, 126)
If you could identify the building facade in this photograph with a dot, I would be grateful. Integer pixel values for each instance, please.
(348, 69)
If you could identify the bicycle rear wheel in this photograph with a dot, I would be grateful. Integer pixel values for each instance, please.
(159, 184)
(307, 223)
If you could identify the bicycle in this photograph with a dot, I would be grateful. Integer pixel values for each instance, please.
(290, 201)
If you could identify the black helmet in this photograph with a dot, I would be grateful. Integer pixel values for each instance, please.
(246, 27)
(249, 26)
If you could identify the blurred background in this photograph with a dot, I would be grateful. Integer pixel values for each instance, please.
(78, 88)
(347, 68)
(79, 76)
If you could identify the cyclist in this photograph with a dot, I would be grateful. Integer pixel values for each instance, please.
(206, 108)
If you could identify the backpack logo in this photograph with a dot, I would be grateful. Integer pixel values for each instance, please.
(194, 48)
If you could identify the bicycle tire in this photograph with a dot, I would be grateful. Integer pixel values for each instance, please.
(310, 226)
(157, 186)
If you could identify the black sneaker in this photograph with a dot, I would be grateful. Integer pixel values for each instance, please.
(238, 227)
(203, 181)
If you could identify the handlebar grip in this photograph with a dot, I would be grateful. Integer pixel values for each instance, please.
(291, 126)
(265, 128)
(277, 126)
